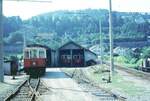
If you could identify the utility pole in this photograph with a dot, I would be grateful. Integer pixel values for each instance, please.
(100, 30)
(1, 45)
(111, 42)
(24, 41)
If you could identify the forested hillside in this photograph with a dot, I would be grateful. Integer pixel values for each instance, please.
(81, 26)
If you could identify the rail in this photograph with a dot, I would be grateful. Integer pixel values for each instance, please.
(135, 72)
(34, 90)
(27, 89)
(15, 91)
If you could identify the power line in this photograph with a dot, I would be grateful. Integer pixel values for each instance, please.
(41, 1)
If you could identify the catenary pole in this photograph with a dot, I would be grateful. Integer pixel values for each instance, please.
(1, 45)
(111, 42)
(24, 41)
(100, 30)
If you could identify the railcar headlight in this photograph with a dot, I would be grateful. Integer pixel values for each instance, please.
(34, 63)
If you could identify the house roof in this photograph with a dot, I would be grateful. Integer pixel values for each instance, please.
(81, 47)
(71, 42)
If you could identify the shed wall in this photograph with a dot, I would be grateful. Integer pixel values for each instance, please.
(52, 58)
(89, 56)
(7, 68)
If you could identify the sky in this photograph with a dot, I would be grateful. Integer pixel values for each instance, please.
(26, 9)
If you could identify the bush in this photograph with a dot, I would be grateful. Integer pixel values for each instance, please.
(145, 52)
(132, 61)
(121, 59)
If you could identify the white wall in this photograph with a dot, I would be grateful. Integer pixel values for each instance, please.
(88, 56)
(7, 68)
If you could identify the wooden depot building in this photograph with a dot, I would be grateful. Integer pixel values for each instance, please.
(73, 55)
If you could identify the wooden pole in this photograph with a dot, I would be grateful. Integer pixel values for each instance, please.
(111, 42)
(100, 30)
(24, 40)
(1, 45)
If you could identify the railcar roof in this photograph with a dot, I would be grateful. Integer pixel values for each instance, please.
(28, 48)
(38, 45)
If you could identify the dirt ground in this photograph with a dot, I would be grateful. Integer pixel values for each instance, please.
(63, 88)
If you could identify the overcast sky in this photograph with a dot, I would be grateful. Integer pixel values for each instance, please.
(28, 9)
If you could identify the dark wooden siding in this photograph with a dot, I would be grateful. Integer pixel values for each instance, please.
(71, 58)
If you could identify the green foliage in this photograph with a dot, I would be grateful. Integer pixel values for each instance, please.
(14, 37)
(81, 26)
(121, 59)
(145, 52)
(11, 24)
(87, 21)
(139, 62)
(128, 62)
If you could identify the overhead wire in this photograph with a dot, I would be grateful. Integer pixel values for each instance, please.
(42, 1)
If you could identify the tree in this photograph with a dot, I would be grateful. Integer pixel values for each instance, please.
(11, 24)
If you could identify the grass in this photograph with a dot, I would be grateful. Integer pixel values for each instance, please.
(119, 84)
(125, 62)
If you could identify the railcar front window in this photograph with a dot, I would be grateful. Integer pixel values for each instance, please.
(41, 54)
(27, 54)
(34, 54)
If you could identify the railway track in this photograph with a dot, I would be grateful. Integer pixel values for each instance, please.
(134, 72)
(101, 94)
(94, 89)
(29, 90)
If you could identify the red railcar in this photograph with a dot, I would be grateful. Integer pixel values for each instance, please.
(35, 60)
